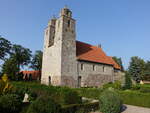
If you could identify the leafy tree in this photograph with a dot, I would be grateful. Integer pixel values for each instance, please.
(147, 67)
(5, 47)
(36, 62)
(21, 55)
(146, 75)
(10, 68)
(119, 62)
(136, 68)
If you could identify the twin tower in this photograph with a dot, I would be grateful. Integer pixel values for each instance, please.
(59, 65)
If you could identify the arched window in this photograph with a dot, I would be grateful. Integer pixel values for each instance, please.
(93, 67)
(103, 68)
(68, 23)
(49, 80)
(82, 67)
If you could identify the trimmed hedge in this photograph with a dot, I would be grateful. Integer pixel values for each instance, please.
(80, 108)
(115, 85)
(10, 103)
(61, 95)
(110, 102)
(44, 105)
(71, 97)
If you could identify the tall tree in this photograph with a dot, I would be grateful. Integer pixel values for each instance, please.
(119, 62)
(146, 75)
(136, 68)
(10, 68)
(20, 55)
(5, 47)
(36, 62)
(147, 67)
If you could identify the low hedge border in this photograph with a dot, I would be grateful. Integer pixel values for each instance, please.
(78, 108)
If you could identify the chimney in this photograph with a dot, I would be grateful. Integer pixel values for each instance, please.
(99, 46)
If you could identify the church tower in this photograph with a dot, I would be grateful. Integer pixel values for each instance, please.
(59, 66)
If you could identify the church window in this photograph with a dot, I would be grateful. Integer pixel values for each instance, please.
(103, 68)
(67, 13)
(81, 66)
(68, 23)
(49, 80)
(93, 67)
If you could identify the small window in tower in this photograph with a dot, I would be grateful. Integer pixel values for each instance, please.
(81, 66)
(51, 41)
(67, 13)
(93, 67)
(68, 23)
(49, 80)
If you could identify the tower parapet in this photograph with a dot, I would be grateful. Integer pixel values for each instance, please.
(66, 12)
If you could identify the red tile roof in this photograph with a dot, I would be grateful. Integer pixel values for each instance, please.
(92, 53)
(114, 63)
(35, 74)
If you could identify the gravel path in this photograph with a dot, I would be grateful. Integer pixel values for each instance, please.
(136, 109)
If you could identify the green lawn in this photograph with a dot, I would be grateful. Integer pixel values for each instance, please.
(135, 98)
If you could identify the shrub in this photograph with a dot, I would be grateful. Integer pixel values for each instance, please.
(128, 81)
(90, 92)
(115, 85)
(110, 102)
(108, 85)
(44, 105)
(70, 96)
(136, 87)
(32, 95)
(5, 86)
(145, 90)
(21, 90)
(10, 103)
(80, 108)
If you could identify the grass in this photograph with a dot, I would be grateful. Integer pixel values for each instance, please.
(135, 98)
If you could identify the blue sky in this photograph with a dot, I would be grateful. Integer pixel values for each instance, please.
(121, 26)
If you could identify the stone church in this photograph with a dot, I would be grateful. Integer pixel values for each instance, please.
(68, 62)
